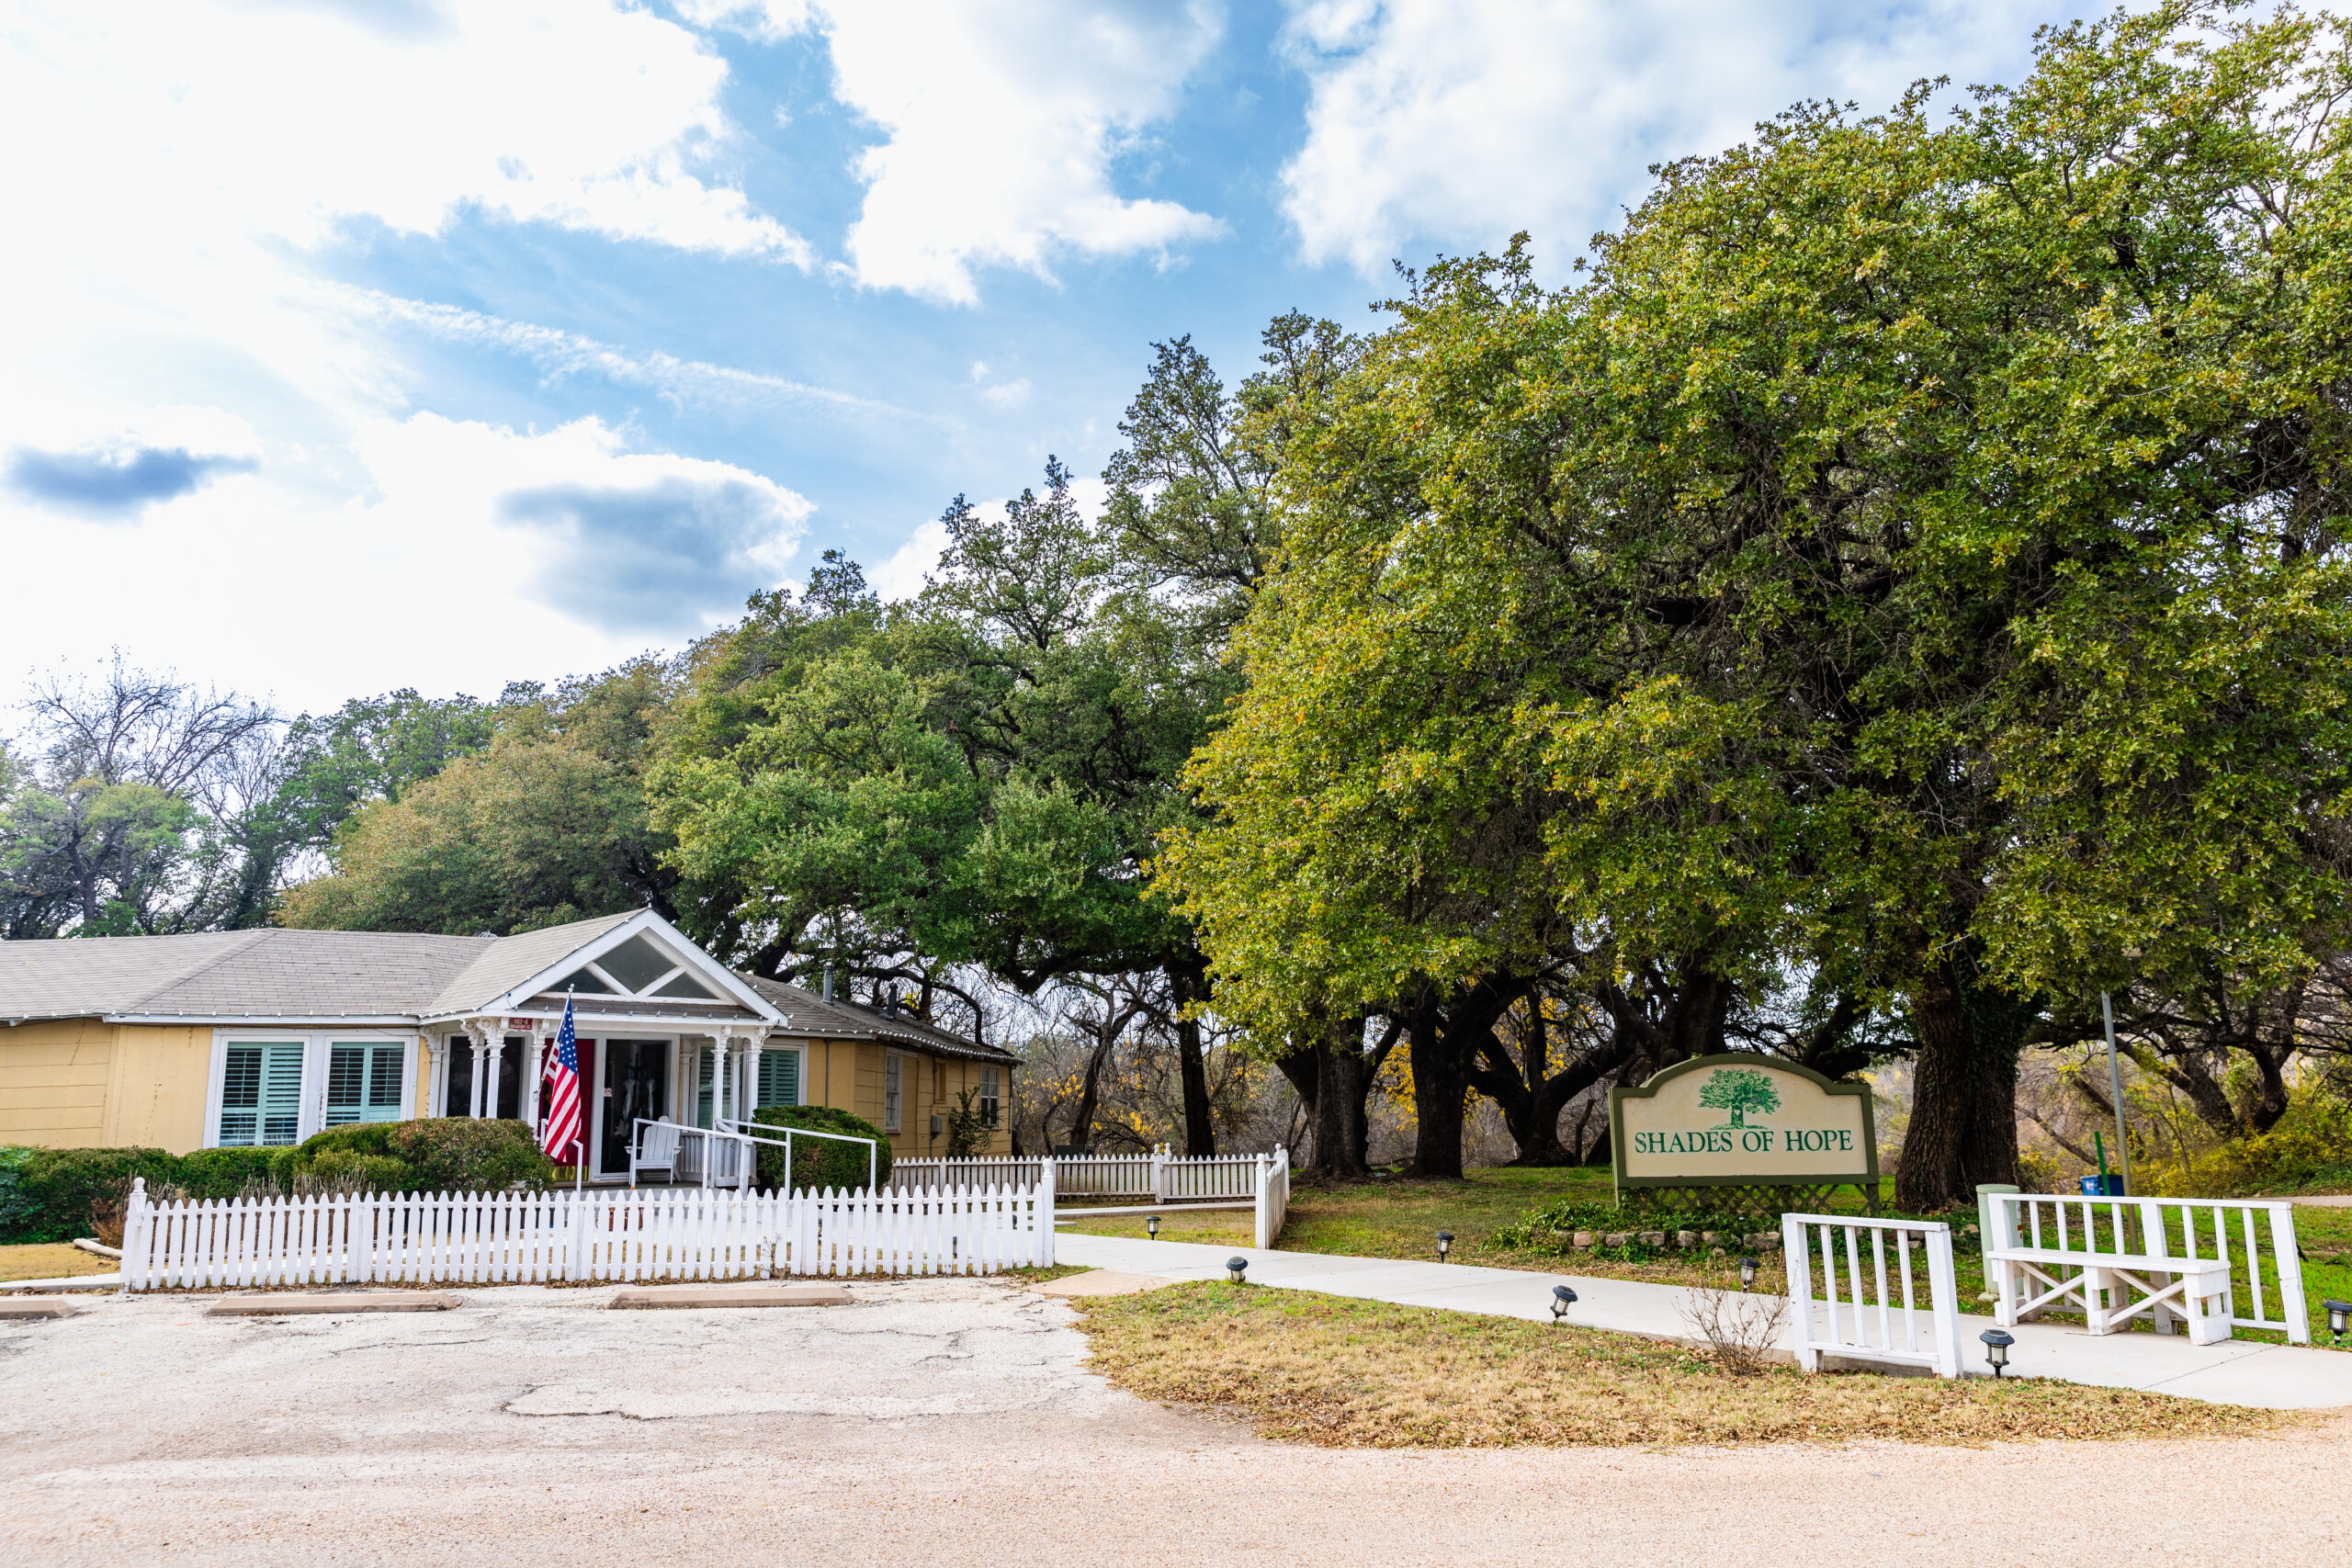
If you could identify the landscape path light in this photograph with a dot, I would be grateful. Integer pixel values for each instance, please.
(1563, 1298)
(1746, 1272)
(1997, 1348)
(1151, 1223)
(2339, 1318)
(1444, 1244)
(1234, 1267)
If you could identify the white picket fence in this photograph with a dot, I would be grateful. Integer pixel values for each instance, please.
(2265, 1262)
(1857, 1319)
(1161, 1176)
(523, 1238)
(1273, 1197)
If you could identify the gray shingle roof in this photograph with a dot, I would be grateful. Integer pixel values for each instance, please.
(91, 976)
(301, 974)
(506, 964)
(274, 973)
(813, 1016)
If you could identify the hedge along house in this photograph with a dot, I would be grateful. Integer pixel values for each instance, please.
(231, 1039)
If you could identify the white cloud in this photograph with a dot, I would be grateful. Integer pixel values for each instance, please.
(901, 577)
(475, 549)
(560, 355)
(1435, 124)
(181, 115)
(1002, 121)
(1011, 395)
(180, 160)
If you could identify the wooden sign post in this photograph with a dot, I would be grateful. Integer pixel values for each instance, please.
(1746, 1121)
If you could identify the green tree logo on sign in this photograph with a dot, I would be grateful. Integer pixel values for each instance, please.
(1740, 1091)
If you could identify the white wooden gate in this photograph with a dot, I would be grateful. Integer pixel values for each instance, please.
(1856, 1318)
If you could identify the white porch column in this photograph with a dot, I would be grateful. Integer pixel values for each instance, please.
(486, 1042)
(718, 1044)
(534, 1043)
(750, 1048)
(436, 1076)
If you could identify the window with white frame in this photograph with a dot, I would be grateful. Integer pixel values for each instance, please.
(893, 1080)
(261, 1093)
(364, 1080)
(992, 1107)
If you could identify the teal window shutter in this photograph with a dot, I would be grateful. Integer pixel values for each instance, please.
(261, 1094)
(779, 1077)
(363, 1083)
(702, 1090)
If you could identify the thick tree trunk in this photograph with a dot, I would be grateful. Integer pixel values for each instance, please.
(1439, 1087)
(1963, 1126)
(1343, 1078)
(1189, 983)
(1531, 1111)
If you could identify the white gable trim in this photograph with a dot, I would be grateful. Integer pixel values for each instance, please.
(703, 964)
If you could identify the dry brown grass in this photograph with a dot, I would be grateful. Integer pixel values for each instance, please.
(1348, 1373)
(51, 1260)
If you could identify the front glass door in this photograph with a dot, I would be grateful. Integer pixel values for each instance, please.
(637, 1083)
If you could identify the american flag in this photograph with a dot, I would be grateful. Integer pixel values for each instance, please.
(560, 1134)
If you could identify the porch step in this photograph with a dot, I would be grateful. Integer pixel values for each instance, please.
(310, 1302)
(684, 1296)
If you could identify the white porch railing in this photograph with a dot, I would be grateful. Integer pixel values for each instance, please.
(1857, 1319)
(708, 1158)
(2264, 1262)
(524, 1238)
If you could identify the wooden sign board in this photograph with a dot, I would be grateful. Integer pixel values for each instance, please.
(1743, 1120)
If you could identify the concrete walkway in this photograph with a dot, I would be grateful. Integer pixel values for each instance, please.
(2237, 1371)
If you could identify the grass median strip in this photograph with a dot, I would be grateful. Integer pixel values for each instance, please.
(1346, 1373)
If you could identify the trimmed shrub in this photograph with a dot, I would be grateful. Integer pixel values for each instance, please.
(818, 1162)
(59, 1190)
(456, 1155)
(227, 1173)
(347, 1170)
(362, 1138)
(434, 1155)
(16, 1206)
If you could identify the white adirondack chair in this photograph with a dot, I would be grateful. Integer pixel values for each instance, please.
(657, 1149)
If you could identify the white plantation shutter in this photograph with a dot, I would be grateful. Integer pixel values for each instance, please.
(261, 1094)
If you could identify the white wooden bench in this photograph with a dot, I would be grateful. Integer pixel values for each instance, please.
(2081, 1254)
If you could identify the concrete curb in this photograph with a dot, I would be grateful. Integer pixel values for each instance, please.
(70, 1282)
(679, 1298)
(26, 1308)
(322, 1302)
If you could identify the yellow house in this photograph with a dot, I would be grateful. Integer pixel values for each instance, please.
(227, 1039)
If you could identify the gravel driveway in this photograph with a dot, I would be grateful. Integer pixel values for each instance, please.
(951, 1420)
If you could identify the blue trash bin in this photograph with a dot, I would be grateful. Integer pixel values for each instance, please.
(2102, 1187)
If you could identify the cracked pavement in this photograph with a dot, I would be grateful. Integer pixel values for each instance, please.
(932, 1421)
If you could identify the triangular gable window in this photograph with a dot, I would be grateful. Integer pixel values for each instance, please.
(688, 987)
(636, 964)
(581, 980)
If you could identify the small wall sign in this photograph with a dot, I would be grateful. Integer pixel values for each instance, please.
(1743, 1120)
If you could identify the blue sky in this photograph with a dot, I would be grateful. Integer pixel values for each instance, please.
(358, 344)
